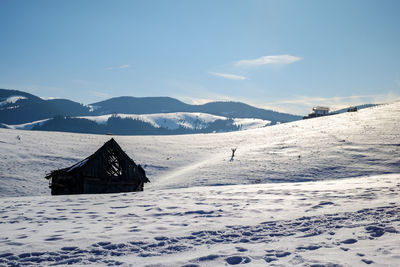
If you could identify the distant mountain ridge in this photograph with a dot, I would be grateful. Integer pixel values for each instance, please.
(132, 115)
(28, 107)
(31, 108)
(151, 105)
(145, 124)
(139, 105)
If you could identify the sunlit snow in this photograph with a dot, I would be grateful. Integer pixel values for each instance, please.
(320, 192)
(189, 120)
(11, 100)
(28, 125)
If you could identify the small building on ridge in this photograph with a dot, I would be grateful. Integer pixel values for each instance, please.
(318, 112)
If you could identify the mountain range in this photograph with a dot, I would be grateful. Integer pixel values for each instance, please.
(132, 115)
(29, 108)
(22, 110)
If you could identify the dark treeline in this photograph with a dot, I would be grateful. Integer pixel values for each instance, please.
(31, 108)
(126, 126)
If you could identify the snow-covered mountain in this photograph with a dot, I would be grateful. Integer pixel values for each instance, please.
(151, 105)
(133, 124)
(10, 101)
(174, 121)
(318, 192)
(17, 107)
(338, 146)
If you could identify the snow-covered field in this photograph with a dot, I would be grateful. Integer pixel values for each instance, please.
(318, 192)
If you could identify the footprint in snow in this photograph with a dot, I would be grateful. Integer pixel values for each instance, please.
(367, 261)
(349, 241)
(234, 260)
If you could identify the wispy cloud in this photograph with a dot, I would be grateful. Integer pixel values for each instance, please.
(211, 97)
(228, 76)
(100, 94)
(194, 93)
(277, 60)
(194, 100)
(120, 67)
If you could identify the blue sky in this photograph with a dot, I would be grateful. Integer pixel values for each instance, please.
(284, 55)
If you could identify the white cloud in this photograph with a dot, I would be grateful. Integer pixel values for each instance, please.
(228, 76)
(277, 60)
(194, 100)
(100, 94)
(120, 67)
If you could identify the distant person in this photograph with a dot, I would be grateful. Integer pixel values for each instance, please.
(233, 153)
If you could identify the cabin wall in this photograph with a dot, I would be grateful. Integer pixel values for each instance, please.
(110, 185)
(66, 185)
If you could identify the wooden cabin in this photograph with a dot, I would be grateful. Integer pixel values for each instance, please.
(108, 170)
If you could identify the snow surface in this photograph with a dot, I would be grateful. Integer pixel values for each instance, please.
(11, 100)
(27, 126)
(251, 123)
(318, 192)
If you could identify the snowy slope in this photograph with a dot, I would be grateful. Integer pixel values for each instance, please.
(10, 100)
(189, 120)
(319, 192)
(27, 126)
(339, 146)
(165, 120)
(348, 222)
(171, 121)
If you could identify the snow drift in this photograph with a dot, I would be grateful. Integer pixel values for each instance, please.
(345, 145)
